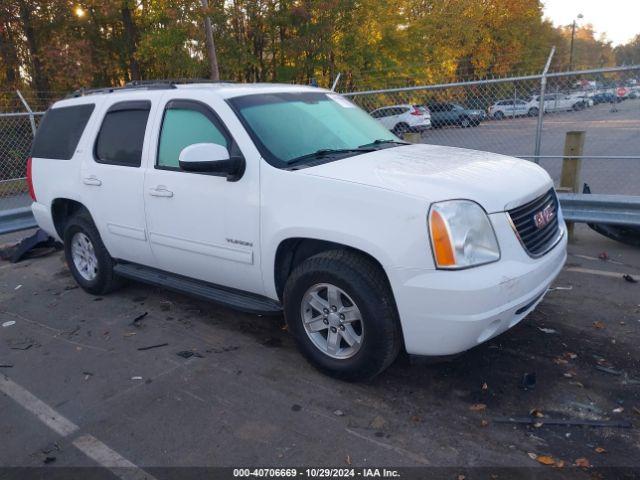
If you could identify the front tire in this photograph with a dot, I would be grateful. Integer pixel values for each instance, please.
(498, 115)
(533, 112)
(340, 310)
(87, 258)
(401, 129)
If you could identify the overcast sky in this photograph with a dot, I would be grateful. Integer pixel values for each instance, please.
(619, 19)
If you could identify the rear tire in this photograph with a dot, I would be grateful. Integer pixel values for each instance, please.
(465, 122)
(498, 115)
(533, 112)
(87, 258)
(401, 128)
(359, 283)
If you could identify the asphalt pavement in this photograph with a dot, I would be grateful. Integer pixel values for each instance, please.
(88, 381)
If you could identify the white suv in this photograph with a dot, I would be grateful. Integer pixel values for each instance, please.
(401, 119)
(272, 198)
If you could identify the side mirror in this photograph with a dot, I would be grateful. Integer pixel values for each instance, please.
(211, 158)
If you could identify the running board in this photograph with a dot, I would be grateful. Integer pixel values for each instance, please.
(239, 300)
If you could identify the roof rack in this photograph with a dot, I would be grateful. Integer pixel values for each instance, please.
(142, 84)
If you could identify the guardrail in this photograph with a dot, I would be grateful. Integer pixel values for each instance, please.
(576, 207)
(596, 208)
(16, 219)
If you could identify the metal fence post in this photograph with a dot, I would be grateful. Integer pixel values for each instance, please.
(32, 119)
(543, 87)
(335, 82)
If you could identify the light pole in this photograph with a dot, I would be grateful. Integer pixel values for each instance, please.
(573, 34)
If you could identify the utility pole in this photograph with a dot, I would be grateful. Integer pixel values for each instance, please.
(573, 34)
(211, 48)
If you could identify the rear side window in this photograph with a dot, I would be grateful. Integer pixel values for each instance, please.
(60, 131)
(121, 135)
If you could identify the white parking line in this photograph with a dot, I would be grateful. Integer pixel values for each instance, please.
(87, 444)
(603, 273)
(44, 412)
(103, 455)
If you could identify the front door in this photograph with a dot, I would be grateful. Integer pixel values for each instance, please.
(200, 225)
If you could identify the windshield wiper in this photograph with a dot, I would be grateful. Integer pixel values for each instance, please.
(382, 141)
(325, 152)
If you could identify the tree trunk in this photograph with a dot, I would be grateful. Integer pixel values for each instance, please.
(211, 47)
(130, 40)
(9, 56)
(40, 81)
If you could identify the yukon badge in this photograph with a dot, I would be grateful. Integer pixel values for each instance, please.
(544, 216)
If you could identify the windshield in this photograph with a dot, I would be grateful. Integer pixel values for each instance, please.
(290, 125)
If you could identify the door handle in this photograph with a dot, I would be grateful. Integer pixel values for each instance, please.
(92, 180)
(160, 191)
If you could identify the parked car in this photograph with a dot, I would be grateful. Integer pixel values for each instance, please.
(403, 118)
(283, 198)
(579, 100)
(606, 97)
(508, 108)
(454, 114)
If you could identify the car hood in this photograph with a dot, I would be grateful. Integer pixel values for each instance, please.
(436, 173)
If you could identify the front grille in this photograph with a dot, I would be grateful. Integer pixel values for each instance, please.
(537, 224)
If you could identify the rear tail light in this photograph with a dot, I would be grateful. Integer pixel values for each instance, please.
(417, 112)
(32, 192)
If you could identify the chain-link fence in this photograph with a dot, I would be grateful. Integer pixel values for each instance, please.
(503, 116)
(18, 123)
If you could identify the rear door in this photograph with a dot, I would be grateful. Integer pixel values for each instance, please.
(112, 178)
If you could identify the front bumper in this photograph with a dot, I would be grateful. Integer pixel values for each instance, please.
(447, 312)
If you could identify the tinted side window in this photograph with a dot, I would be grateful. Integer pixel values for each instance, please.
(121, 135)
(186, 123)
(60, 132)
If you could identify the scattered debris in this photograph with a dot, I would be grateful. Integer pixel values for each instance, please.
(153, 346)
(551, 289)
(18, 287)
(87, 375)
(485, 386)
(568, 423)
(582, 462)
(136, 321)
(528, 381)
(128, 334)
(47, 460)
(189, 354)
(230, 348)
(36, 245)
(618, 410)
(629, 278)
(603, 256)
(6, 365)
(295, 407)
(545, 460)
(598, 324)
(9, 323)
(21, 344)
(547, 330)
(477, 407)
(600, 450)
(136, 378)
(377, 423)
(611, 371)
(165, 305)
(338, 413)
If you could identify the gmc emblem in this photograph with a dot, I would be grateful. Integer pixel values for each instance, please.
(544, 216)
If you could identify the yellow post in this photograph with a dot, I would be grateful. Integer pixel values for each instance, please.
(412, 137)
(571, 167)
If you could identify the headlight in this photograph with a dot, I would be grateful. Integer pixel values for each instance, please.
(461, 235)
